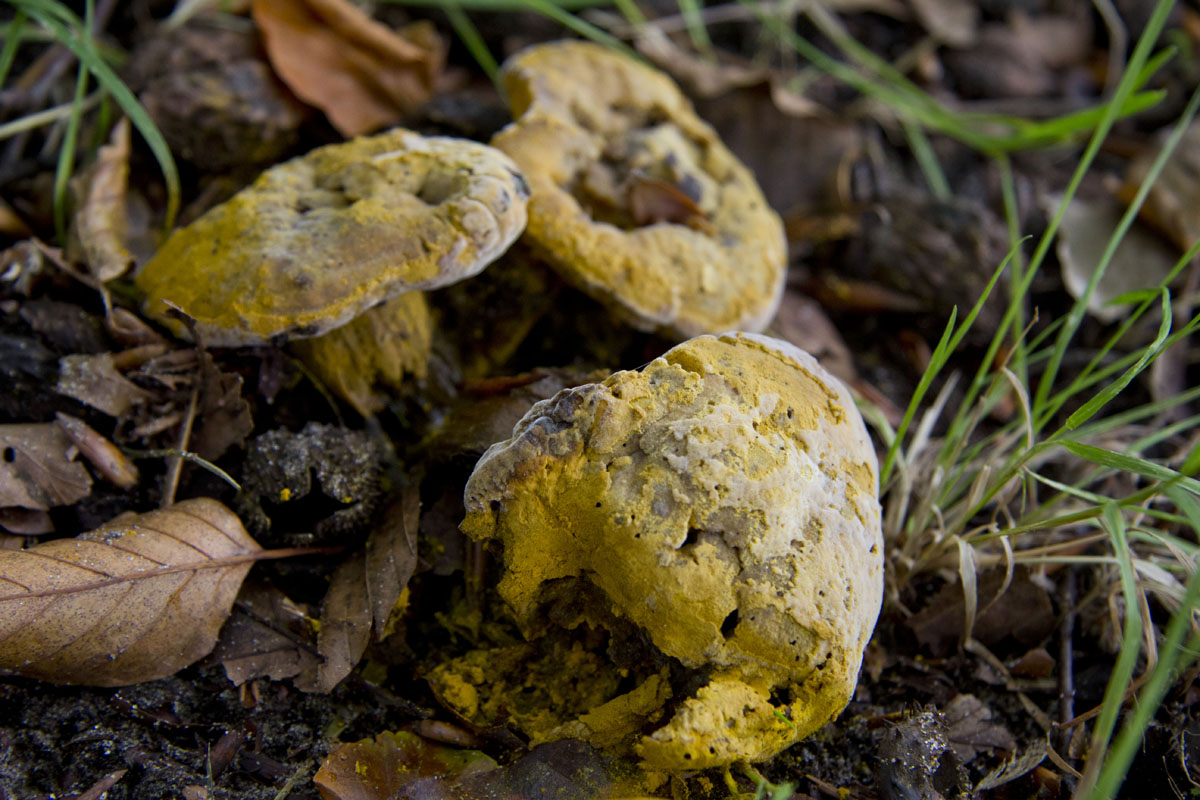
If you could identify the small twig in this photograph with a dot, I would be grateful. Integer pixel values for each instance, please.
(188, 456)
(171, 483)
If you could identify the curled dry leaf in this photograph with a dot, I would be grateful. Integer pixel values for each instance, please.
(38, 468)
(363, 75)
(103, 454)
(132, 601)
(100, 222)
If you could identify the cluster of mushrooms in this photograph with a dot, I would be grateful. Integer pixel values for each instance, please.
(692, 549)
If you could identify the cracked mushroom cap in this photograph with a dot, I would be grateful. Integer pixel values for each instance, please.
(319, 239)
(722, 499)
(634, 198)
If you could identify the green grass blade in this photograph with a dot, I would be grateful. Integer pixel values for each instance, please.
(1127, 463)
(1092, 372)
(936, 362)
(927, 160)
(693, 18)
(552, 10)
(465, 29)
(1174, 657)
(1149, 353)
(1079, 307)
(1122, 674)
(1112, 110)
(66, 155)
(12, 40)
(65, 27)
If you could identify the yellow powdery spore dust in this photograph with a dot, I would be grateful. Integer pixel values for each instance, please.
(723, 500)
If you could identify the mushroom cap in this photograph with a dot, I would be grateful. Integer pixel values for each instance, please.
(594, 128)
(317, 240)
(723, 499)
(374, 350)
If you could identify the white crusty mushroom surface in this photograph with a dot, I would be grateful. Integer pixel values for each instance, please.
(317, 240)
(723, 499)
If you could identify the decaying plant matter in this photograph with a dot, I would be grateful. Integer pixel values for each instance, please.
(134, 600)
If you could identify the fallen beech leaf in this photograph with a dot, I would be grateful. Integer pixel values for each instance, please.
(261, 638)
(377, 770)
(134, 600)
(345, 627)
(37, 468)
(95, 381)
(392, 556)
(362, 74)
(100, 222)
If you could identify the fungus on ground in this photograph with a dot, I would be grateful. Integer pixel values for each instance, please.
(714, 516)
(634, 199)
(317, 240)
(375, 349)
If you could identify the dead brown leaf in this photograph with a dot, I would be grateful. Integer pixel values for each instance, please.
(378, 769)
(225, 418)
(362, 74)
(100, 452)
(23, 522)
(95, 381)
(38, 468)
(266, 636)
(100, 221)
(1141, 261)
(1023, 613)
(134, 600)
(971, 729)
(392, 556)
(345, 627)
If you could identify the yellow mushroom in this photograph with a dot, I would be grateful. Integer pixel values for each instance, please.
(720, 504)
(634, 199)
(317, 240)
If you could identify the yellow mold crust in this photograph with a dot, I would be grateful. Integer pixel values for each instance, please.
(592, 124)
(373, 352)
(317, 240)
(723, 499)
